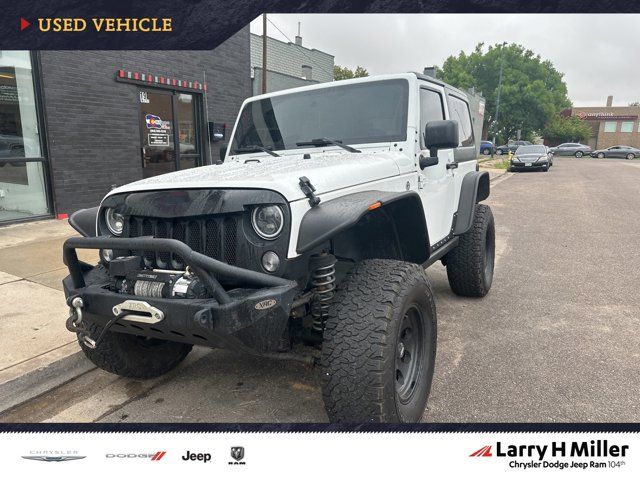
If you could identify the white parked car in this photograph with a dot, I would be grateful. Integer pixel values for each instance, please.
(309, 242)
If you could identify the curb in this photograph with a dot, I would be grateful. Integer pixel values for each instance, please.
(25, 387)
(498, 176)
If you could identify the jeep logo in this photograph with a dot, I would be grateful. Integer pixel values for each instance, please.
(264, 304)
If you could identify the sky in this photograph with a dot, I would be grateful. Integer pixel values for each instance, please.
(598, 54)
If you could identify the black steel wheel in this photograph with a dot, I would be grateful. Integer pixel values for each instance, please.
(409, 352)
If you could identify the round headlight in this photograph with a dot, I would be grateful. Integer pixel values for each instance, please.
(115, 221)
(267, 221)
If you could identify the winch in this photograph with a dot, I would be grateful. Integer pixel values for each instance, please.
(128, 278)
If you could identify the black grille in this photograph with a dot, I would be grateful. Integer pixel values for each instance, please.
(216, 237)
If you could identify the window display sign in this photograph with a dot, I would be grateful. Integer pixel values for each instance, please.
(158, 139)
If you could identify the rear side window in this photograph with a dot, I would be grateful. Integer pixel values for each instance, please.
(431, 109)
(459, 111)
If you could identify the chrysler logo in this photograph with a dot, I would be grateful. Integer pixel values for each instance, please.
(53, 458)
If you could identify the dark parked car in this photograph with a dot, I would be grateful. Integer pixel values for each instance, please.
(511, 146)
(532, 157)
(487, 147)
(11, 146)
(617, 151)
(572, 149)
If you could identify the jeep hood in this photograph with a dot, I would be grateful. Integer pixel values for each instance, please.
(327, 171)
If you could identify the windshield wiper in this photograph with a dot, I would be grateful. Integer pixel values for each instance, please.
(255, 148)
(319, 142)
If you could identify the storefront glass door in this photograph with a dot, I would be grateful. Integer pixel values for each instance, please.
(23, 182)
(168, 119)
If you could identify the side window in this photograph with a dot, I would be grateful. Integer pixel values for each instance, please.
(459, 110)
(430, 109)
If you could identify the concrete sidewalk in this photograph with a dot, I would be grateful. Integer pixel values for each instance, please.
(38, 352)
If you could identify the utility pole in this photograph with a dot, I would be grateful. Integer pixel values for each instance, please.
(264, 53)
(495, 122)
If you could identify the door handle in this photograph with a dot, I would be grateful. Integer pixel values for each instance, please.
(452, 165)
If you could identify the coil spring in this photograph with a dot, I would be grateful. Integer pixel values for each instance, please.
(324, 284)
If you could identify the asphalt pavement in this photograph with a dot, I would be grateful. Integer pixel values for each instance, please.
(556, 340)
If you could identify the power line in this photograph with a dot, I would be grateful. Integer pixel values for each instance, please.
(302, 49)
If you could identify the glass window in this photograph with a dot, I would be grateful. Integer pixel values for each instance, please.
(430, 109)
(19, 135)
(459, 111)
(610, 127)
(367, 112)
(22, 183)
(188, 134)
(534, 149)
(626, 127)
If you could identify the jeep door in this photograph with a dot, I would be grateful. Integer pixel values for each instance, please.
(436, 183)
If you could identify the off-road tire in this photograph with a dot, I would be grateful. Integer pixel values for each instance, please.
(470, 264)
(133, 357)
(363, 339)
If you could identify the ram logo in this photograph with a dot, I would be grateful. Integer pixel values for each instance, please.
(264, 304)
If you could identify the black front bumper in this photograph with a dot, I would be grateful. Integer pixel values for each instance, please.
(533, 166)
(251, 318)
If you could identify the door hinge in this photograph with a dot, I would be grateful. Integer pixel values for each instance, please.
(422, 180)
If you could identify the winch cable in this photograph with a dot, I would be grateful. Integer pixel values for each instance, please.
(93, 344)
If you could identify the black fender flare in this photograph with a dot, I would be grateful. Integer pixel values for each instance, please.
(84, 221)
(475, 188)
(334, 217)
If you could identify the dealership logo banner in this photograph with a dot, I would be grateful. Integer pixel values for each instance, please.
(379, 454)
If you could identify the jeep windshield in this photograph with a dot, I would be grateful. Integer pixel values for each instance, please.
(356, 113)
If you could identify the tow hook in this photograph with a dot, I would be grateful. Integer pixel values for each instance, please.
(74, 322)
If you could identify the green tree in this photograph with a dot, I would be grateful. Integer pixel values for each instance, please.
(532, 92)
(566, 129)
(343, 73)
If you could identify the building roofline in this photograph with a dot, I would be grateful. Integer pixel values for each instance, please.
(291, 43)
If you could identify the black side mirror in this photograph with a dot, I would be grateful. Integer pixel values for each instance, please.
(223, 152)
(439, 134)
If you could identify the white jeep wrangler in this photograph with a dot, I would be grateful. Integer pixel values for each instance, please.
(309, 242)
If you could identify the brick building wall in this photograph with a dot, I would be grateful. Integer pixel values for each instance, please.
(626, 130)
(277, 81)
(288, 58)
(93, 121)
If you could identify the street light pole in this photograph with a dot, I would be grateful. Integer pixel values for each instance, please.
(264, 53)
(495, 122)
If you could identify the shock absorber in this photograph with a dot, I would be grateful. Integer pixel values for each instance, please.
(323, 283)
